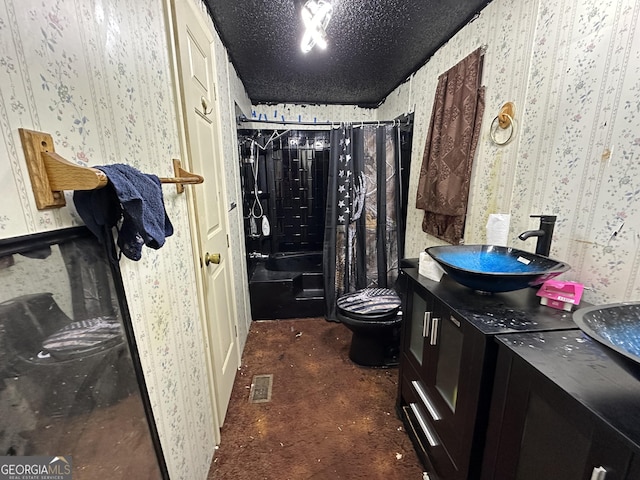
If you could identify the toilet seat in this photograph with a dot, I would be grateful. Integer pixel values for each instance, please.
(370, 304)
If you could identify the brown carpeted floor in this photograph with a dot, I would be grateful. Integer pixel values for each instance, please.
(327, 418)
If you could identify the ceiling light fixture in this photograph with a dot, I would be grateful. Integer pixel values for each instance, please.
(315, 16)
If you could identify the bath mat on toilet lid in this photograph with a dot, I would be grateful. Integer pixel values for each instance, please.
(380, 303)
(83, 338)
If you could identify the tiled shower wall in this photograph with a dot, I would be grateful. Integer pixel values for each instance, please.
(292, 180)
(572, 68)
(300, 188)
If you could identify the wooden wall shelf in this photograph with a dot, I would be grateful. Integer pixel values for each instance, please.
(51, 174)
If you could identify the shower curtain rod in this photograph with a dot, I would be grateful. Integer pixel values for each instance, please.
(243, 119)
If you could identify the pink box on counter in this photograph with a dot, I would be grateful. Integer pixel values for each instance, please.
(560, 295)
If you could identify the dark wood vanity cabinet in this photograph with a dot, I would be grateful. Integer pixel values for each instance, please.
(441, 385)
(447, 365)
(563, 407)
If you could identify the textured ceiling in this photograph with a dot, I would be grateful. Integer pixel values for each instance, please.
(374, 45)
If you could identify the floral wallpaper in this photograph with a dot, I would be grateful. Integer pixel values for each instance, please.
(572, 68)
(97, 77)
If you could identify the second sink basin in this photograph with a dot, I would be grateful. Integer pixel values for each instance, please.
(616, 326)
(491, 268)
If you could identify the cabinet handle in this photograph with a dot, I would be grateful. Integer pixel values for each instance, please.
(426, 323)
(431, 408)
(435, 324)
(431, 438)
(598, 473)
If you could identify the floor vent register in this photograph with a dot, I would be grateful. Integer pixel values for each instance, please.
(261, 389)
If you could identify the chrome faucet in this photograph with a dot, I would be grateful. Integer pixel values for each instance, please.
(544, 234)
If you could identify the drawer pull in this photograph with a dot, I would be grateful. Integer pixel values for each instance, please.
(431, 438)
(431, 408)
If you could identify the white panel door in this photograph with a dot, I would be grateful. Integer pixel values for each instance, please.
(197, 85)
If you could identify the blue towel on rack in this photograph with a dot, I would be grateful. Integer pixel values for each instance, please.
(132, 196)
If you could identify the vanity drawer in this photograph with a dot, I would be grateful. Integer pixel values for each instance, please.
(418, 416)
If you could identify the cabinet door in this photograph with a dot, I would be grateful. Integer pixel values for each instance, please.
(608, 457)
(419, 309)
(541, 432)
(634, 469)
(446, 341)
(453, 380)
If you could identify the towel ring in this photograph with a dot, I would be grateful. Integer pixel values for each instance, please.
(492, 130)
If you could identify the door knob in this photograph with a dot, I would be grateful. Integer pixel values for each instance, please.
(211, 258)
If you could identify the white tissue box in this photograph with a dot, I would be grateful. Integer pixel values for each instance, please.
(429, 268)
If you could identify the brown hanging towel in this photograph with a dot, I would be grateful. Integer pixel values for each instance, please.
(445, 175)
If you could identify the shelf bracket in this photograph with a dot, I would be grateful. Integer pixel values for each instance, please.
(51, 174)
(182, 177)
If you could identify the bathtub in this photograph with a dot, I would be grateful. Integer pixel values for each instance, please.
(295, 262)
(287, 285)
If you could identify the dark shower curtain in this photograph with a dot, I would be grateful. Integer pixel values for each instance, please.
(363, 233)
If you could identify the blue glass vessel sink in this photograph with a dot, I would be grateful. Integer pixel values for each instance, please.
(490, 268)
(616, 325)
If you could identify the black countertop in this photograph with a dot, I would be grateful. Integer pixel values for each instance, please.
(600, 379)
(496, 313)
